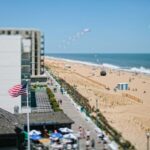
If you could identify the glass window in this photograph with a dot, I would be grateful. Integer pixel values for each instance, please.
(25, 62)
(26, 56)
(25, 69)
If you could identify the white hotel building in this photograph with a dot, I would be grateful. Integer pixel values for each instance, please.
(21, 57)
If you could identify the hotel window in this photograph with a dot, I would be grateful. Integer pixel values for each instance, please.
(26, 56)
(8, 32)
(27, 33)
(25, 75)
(25, 69)
(17, 32)
(26, 62)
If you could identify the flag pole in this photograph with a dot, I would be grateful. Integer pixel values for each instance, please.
(28, 123)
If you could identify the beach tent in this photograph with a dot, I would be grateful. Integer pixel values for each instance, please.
(122, 86)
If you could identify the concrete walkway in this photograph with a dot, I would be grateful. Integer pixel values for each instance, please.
(69, 108)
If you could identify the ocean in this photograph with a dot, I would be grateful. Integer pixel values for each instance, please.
(128, 62)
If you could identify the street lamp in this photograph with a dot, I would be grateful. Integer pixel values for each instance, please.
(148, 136)
(28, 119)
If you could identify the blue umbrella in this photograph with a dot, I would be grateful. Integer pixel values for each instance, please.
(56, 135)
(33, 132)
(35, 137)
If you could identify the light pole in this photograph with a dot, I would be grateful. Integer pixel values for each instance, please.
(28, 122)
(28, 117)
(148, 136)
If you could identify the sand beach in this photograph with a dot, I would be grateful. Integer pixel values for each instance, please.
(128, 111)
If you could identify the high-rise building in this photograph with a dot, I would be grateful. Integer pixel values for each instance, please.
(32, 50)
(21, 50)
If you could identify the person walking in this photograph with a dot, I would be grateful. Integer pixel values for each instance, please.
(93, 144)
(80, 132)
(88, 143)
(88, 133)
(60, 101)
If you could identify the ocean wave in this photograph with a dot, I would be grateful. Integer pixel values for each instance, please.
(111, 66)
(129, 69)
(141, 69)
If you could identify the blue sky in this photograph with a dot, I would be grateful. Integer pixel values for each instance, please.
(116, 26)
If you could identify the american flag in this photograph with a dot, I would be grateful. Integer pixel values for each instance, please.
(17, 90)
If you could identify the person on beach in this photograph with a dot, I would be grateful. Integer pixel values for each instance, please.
(88, 143)
(100, 137)
(60, 101)
(82, 132)
(88, 133)
(93, 144)
(45, 133)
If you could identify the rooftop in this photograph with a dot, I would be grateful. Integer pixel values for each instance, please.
(45, 118)
(9, 121)
(20, 29)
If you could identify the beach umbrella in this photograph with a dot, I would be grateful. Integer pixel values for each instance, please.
(65, 141)
(34, 132)
(65, 130)
(70, 136)
(56, 135)
(35, 137)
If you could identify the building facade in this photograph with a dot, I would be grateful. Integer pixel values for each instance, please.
(10, 64)
(30, 50)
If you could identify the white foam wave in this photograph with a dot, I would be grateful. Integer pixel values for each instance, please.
(141, 69)
(130, 69)
(110, 66)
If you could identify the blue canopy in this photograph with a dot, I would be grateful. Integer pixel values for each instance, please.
(35, 137)
(56, 135)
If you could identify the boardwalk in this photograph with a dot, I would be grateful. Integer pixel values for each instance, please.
(42, 102)
(69, 108)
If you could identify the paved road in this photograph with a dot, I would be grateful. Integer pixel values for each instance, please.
(69, 108)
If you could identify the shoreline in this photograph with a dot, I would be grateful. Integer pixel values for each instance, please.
(129, 117)
(105, 65)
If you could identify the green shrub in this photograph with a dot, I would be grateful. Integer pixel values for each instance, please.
(52, 99)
